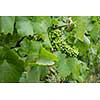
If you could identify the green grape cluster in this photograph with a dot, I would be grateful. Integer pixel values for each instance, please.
(59, 44)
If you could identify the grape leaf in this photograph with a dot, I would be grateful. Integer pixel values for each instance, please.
(67, 66)
(82, 48)
(43, 72)
(11, 67)
(9, 40)
(41, 24)
(46, 57)
(32, 76)
(30, 48)
(62, 67)
(7, 24)
(47, 54)
(76, 68)
(24, 27)
(95, 32)
(81, 23)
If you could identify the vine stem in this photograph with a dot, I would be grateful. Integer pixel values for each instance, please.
(59, 27)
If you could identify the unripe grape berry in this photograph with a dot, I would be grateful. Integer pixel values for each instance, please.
(55, 37)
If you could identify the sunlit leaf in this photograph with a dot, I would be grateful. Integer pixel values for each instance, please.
(7, 24)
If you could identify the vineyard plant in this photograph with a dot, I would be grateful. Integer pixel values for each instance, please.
(49, 49)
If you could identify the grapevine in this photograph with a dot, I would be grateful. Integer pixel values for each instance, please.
(49, 49)
(58, 43)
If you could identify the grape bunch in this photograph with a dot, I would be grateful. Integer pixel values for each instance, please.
(59, 44)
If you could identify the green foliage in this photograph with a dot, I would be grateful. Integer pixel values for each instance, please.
(71, 67)
(8, 40)
(30, 76)
(80, 23)
(49, 49)
(41, 24)
(24, 27)
(11, 66)
(7, 24)
(46, 58)
(63, 69)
